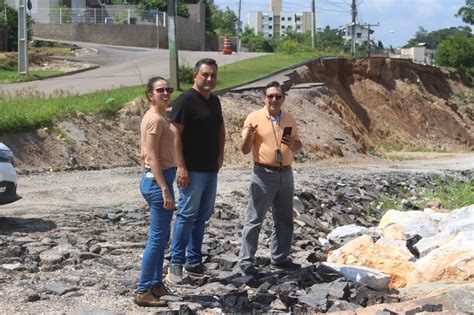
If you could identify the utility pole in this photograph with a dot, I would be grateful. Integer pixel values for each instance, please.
(354, 17)
(368, 38)
(173, 51)
(238, 27)
(313, 24)
(22, 39)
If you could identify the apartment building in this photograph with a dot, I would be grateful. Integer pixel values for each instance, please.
(275, 22)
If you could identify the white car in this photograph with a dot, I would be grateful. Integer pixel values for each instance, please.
(7, 176)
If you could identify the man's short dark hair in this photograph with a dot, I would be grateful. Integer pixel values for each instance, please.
(274, 84)
(205, 61)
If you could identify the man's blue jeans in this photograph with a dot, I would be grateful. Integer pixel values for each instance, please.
(195, 207)
(160, 221)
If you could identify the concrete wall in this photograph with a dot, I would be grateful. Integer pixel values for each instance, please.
(191, 35)
(197, 12)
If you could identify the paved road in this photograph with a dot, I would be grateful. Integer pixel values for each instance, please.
(119, 66)
(47, 193)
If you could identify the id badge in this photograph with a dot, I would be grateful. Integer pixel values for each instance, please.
(278, 156)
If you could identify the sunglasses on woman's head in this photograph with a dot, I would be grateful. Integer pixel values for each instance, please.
(168, 90)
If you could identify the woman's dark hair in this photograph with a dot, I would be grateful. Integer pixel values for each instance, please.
(275, 84)
(151, 82)
(205, 61)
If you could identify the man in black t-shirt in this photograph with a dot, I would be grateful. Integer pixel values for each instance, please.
(198, 126)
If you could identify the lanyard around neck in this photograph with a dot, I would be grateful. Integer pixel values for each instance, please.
(278, 143)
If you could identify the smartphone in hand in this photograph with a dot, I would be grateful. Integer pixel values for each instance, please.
(287, 131)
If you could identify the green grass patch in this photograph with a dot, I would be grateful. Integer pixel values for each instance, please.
(30, 110)
(249, 69)
(399, 152)
(10, 75)
(24, 113)
(453, 193)
(388, 202)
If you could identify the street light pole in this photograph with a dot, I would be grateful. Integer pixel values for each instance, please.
(353, 29)
(368, 38)
(313, 24)
(238, 27)
(22, 39)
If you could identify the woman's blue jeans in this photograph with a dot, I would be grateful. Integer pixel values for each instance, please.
(195, 207)
(160, 221)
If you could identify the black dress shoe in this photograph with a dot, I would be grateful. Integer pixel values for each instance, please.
(249, 270)
(287, 265)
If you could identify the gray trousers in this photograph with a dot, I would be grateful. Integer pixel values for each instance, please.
(275, 189)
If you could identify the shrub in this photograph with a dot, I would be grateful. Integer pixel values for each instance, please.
(185, 72)
(8, 62)
(290, 46)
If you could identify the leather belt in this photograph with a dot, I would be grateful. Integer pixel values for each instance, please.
(273, 168)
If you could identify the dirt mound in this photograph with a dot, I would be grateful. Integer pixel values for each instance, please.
(363, 105)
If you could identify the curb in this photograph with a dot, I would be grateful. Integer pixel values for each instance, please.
(65, 73)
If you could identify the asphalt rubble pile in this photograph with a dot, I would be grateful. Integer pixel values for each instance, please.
(86, 252)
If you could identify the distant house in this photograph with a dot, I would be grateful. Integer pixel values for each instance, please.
(419, 54)
(275, 23)
(361, 33)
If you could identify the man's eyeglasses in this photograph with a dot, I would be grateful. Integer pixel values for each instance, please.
(168, 90)
(208, 75)
(278, 97)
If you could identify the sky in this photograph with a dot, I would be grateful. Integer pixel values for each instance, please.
(398, 20)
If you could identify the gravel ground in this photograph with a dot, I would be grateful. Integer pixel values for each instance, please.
(47, 193)
(48, 198)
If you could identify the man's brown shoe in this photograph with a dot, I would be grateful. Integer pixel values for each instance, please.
(161, 290)
(148, 299)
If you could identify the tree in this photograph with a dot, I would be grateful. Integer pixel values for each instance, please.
(421, 36)
(467, 12)
(210, 9)
(432, 39)
(330, 38)
(11, 23)
(223, 22)
(457, 51)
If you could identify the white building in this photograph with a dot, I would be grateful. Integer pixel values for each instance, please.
(419, 54)
(276, 23)
(361, 33)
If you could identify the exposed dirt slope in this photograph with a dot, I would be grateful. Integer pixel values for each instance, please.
(395, 102)
(364, 104)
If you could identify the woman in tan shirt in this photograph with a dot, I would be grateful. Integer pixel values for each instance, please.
(156, 186)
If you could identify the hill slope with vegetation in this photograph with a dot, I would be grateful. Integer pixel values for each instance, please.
(365, 107)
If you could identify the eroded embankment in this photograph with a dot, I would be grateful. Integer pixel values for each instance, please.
(363, 105)
(396, 102)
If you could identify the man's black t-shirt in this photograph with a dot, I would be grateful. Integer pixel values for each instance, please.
(202, 120)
